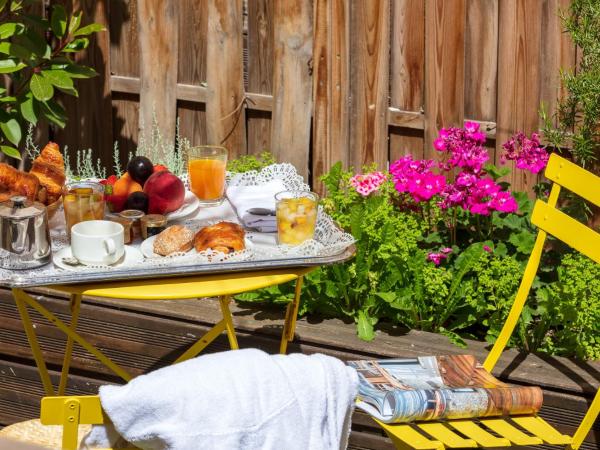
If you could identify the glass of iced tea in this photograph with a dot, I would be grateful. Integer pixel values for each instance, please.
(296, 216)
(207, 166)
(83, 200)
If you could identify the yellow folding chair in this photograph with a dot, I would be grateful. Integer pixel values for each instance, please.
(520, 430)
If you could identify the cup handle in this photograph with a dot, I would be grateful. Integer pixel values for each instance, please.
(110, 246)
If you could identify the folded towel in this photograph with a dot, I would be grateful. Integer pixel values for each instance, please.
(245, 197)
(242, 399)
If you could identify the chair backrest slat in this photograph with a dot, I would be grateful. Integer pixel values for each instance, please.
(565, 228)
(574, 178)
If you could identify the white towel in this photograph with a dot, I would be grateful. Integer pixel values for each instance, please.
(245, 197)
(244, 399)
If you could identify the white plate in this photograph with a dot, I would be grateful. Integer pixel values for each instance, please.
(147, 247)
(189, 207)
(132, 256)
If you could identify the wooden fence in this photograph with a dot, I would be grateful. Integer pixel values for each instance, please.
(319, 81)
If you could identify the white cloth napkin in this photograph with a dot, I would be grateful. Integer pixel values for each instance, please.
(240, 399)
(245, 197)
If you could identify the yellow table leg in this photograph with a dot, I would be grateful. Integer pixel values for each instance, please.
(76, 337)
(20, 300)
(201, 344)
(291, 314)
(64, 374)
(228, 319)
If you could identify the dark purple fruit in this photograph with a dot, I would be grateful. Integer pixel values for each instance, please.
(140, 168)
(137, 200)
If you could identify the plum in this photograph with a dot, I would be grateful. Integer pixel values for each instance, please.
(140, 168)
(137, 200)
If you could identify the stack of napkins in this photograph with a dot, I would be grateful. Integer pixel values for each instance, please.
(245, 198)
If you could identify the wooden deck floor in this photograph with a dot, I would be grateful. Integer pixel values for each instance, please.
(142, 336)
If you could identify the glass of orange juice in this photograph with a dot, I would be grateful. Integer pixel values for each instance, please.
(206, 170)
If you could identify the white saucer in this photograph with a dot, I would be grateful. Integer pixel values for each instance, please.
(132, 256)
(189, 207)
(147, 247)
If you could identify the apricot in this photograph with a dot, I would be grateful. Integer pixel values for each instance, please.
(125, 186)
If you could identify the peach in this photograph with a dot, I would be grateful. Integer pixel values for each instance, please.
(125, 186)
(165, 191)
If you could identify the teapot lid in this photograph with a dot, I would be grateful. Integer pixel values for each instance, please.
(19, 207)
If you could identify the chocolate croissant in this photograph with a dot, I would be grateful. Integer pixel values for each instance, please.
(224, 237)
(49, 168)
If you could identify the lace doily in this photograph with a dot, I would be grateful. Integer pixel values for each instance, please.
(329, 240)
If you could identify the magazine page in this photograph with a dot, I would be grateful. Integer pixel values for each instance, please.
(442, 387)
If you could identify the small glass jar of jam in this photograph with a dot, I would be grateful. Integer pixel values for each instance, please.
(135, 216)
(127, 228)
(153, 224)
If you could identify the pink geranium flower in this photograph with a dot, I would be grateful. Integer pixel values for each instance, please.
(526, 152)
(366, 184)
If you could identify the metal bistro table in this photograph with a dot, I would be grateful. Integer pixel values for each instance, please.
(191, 282)
(180, 279)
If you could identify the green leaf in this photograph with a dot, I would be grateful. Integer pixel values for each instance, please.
(75, 22)
(10, 29)
(7, 99)
(35, 43)
(522, 241)
(387, 297)
(29, 110)
(365, 327)
(69, 91)
(54, 113)
(76, 71)
(58, 21)
(12, 49)
(77, 45)
(36, 21)
(11, 129)
(16, 6)
(41, 88)
(10, 151)
(58, 78)
(89, 29)
(2, 4)
(10, 65)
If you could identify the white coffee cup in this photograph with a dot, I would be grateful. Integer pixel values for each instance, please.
(97, 242)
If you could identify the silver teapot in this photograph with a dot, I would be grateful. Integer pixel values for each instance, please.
(24, 234)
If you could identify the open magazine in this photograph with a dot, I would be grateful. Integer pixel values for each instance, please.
(438, 387)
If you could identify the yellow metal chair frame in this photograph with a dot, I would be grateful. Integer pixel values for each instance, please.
(550, 221)
(221, 286)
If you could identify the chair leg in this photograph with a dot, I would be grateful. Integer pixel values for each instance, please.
(291, 314)
(586, 424)
(228, 319)
(18, 295)
(64, 375)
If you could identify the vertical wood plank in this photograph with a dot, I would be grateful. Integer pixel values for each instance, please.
(225, 112)
(292, 86)
(407, 72)
(444, 67)
(192, 67)
(90, 120)
(557, 52)
(124, 60)
(481, 60)
(158, 43)
(518, 77)
(369, 41)
(260, 71)
(330, 87)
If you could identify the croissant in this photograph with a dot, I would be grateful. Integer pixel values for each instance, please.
(49, 168)
(224, 237)
(14, 182)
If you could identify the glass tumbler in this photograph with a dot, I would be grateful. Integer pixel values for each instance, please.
(296, 216)
(82, 200)
(207, 166)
